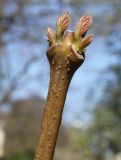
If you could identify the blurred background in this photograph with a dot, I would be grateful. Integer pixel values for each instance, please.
(91, 126)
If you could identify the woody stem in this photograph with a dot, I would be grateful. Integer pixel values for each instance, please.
(60, 78)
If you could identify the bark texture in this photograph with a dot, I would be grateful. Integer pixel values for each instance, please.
(65, 57)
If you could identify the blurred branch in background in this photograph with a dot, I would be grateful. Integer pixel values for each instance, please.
(23, 73)
(105, 128)
(14, 69)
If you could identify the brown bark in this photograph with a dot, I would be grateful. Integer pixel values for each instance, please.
(64, 60)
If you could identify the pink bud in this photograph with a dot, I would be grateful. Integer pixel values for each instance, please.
(83, 25)
(51, 36)
(85, 42)
(62, 24)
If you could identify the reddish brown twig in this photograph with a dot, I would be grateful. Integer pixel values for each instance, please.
(65, 55)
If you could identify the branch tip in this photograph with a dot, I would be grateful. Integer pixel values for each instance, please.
(85, 42)
(86, 16)
(51, 36)
(62, 24)
(83, 25)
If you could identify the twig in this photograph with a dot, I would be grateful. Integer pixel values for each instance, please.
(65, 55)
